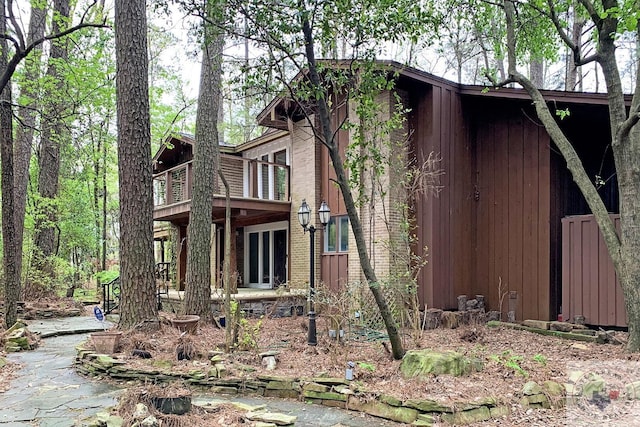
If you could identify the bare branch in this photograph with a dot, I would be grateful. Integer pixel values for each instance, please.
(14, 22)
(20, 54)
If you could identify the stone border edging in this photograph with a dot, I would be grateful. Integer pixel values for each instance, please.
(598, 337)
(334, 392)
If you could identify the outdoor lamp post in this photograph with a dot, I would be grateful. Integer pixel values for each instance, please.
(304, 216)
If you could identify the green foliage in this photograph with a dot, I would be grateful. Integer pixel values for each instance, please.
(248, 331)
(563, 113)
(367, 366)
(511, 361)
(106, 276)
(540, 358)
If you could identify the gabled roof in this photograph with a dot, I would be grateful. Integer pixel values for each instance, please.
(282, 108)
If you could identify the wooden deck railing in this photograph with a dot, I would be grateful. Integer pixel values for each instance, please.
(247, 178)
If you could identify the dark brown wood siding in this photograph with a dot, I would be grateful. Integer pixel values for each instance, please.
(330, 191)
(513, 205)
(444, 223)
(590, 288)
(334, 265)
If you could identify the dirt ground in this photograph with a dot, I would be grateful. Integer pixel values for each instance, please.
(511, 358)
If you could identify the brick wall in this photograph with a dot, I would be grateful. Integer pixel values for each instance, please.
(305, 184)
(381, 218)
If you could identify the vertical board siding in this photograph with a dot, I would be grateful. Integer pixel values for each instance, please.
(421, 124)
(515, 213)
(544, 220)
(444, 224)
(333, 267)
(336, 267)
(512, 232)
(589, 284)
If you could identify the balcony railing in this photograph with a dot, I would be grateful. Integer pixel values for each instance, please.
(247, 178)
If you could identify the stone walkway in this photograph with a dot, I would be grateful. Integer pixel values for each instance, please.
(47, 392)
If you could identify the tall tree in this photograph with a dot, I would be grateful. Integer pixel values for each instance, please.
(11, 56)
(198, 277)
(138, 305)
(28, 106)
(53, 134)
(610, 19)
(10, 249)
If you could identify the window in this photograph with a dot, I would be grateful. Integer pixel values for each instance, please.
(266, 252)
(336, 235)
(280, 158)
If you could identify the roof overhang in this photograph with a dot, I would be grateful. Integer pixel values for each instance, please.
(282, 109)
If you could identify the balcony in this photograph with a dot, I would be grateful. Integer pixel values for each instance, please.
(256, 188)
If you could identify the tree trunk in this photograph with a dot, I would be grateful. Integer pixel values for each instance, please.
(198, 278)
(327, 134)
(226, 268)
(628, 171)
(536, 72)
(10, 250)
(138, 301)
(576, 39)
(624, 250)
(53, 134)
(25, 131)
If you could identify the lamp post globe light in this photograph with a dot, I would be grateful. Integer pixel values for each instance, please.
(304, 216)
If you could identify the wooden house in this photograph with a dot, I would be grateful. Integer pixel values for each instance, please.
(508, 223)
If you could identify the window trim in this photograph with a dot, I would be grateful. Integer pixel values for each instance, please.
(338, 221)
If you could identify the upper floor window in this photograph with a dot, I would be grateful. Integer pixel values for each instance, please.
(336, 234)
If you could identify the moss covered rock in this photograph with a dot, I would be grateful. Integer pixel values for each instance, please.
(417, 363)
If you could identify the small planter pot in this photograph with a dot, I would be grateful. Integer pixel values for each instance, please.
(106, 342)
(187, 323)
(173, 405)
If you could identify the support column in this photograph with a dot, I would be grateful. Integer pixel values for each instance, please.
(182, 257)
(233, 258)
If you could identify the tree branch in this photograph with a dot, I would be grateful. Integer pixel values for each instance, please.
(20, 54)
(574, 164)
(16, 27)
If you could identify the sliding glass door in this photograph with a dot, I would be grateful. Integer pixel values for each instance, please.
(266, 253)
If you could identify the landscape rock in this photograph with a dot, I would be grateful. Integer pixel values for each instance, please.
(327, 395)
(553, 388)
(632, 390)
(426, 405)
(530, 388)
(269, 362)
(561, 326)
(593, 387)
(141, 412)
(468, 417)
(451, 319)
(540, 324)
(249, 408)
(499, 411)
(382, 410)
(115, 421)
(16, 339)
(150, 421)
(432, 318)
(271, 417)
(418, 363)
